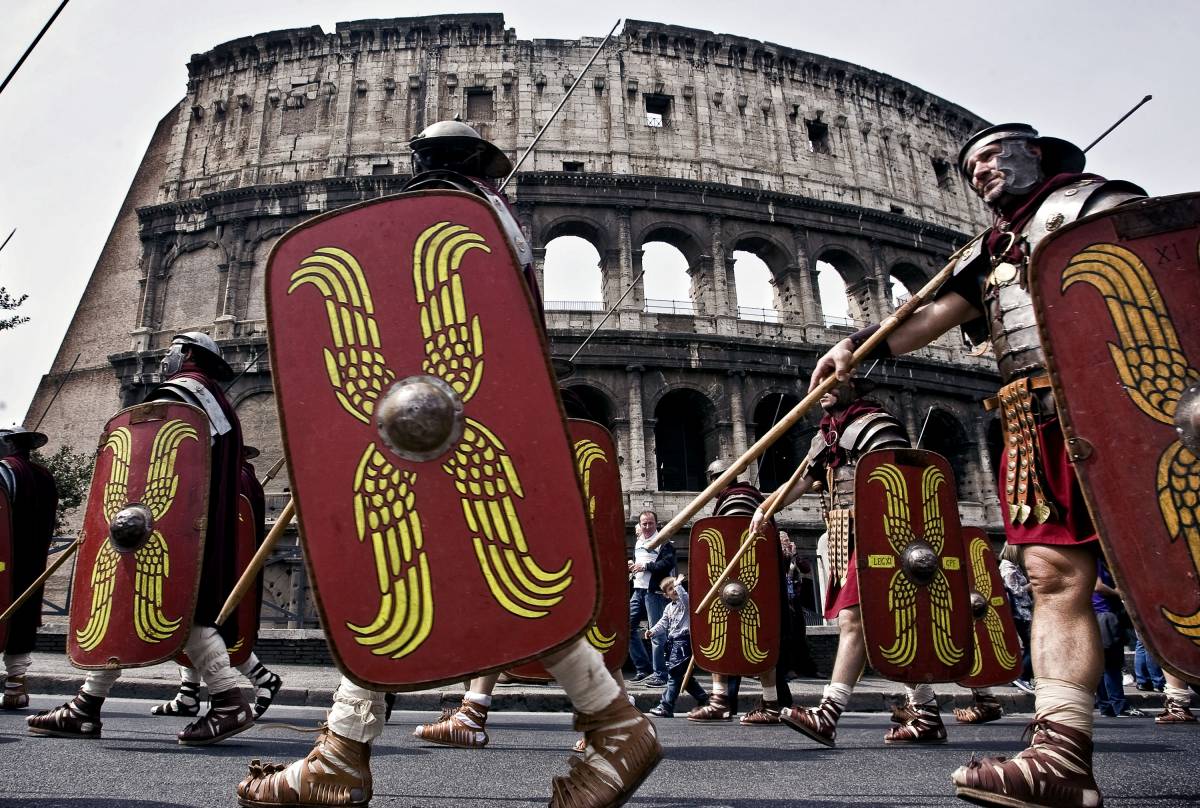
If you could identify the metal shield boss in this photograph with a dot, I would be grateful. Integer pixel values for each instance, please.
(138, 567)
(443, 524)
(600, 476)
(6, 563)
(997, 659)
(912, 571)
(739, 633)
(1117, 297)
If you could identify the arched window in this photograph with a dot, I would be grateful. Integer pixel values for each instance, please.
(944, 435)
(666, 284)
(571, 279)
(685, 440)
(755, 292)
(900, 293)
(835, 303)
(785, 454)
(588, 403)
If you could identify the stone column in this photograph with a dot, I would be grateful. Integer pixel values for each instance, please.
(630, 315)
(539, 270)
(621, 437)
(637, 434)
(737, 408)
(806, 280)
(913, 418)
(986, 474)
(881, 287)
(701, 274)
(720, 277)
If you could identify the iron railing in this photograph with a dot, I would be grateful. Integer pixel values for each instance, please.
(573, 305)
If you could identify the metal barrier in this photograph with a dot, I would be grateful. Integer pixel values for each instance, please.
(57, 545)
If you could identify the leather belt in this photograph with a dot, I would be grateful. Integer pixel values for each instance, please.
(1035, 383)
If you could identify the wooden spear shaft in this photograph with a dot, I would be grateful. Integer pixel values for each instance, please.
(770, 507)
(28, 593)
(792, 418)
(250, 576)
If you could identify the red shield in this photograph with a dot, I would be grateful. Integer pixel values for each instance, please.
(738, 634)
(912, 575)
(1117, 297)
(6, 563)
(247, 610)
(445, 513)
(596, 465)
(139, 563)
(997, 647)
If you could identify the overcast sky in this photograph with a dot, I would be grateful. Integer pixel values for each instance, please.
(76, 120)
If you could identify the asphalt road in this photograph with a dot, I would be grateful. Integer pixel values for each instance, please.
(137, 763)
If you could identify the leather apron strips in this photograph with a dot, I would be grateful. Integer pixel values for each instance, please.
(1023, 487)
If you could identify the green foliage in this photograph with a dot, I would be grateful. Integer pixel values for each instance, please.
(10, 303)
(72, 475)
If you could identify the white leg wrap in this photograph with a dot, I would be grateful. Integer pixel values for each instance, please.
(357, 713)
(581, 673)
(1176, 695)
(838, 693)
(246, 667)
(720, 684)
(99, 683)
(17, 664)
(188, 675)
(921, 694)
(207, 651)
(1064, 702)
(484, 699)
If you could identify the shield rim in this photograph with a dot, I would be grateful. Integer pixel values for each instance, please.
(1071, 433)
(6, 531)
(249, 638)
(951, 535)
(969, 534)
(544, 675)
(203, 537)
(776, 651)
(283, 432)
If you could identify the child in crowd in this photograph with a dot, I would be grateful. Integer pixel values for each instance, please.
(676, 628)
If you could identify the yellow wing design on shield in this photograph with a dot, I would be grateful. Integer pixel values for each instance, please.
(162, 483)
(718, 612)
(384, 499)
(902, 593)
(1154, 372)
(116, 490)
(355, 367)
(103, 580)
(749, 617)
(588, 452)
(453, 337)
(941, 602)
(489, 487)
(385, 513)
(151, 567)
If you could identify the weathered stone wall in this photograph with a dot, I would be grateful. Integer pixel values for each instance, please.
(302, 105)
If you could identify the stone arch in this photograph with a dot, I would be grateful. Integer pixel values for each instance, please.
(260, 428)
(753, 251)
(784, 455)
(908, 276)
(591, 402)
(574, 224)
(662, 281)
(686, 438)
(854, 275)
(257, 249)
(572, 274)
(186, 302)
(946, 436)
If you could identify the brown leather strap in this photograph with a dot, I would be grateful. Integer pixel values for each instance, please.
(1035, 383)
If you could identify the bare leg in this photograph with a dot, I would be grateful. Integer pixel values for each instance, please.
(820, 723)
(1068, 660)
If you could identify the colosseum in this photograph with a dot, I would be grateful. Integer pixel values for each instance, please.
(712, 147)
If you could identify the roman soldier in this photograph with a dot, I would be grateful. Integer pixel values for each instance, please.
(34, 509)
(740, 498)
(1032, 185)
(621, 744)
(191, 371)
(266, 682)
